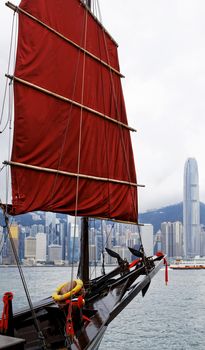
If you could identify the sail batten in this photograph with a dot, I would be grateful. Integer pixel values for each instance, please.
(60, 35)
(66, 173)
(65, 99)
(58, 92)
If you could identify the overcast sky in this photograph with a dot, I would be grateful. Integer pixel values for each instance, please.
(162, 55)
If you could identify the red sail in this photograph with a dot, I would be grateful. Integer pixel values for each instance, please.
(52, 132)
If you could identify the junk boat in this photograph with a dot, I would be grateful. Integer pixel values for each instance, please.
(71, 154)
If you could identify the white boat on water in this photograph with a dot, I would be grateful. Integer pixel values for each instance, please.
(190, 264)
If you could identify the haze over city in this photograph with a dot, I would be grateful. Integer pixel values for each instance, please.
(161, 53)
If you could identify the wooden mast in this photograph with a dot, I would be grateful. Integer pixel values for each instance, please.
(83, 270)
(88, 3)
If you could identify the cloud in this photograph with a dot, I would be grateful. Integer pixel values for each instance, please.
(162, 55)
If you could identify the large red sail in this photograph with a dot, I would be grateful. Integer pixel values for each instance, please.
(66, 87)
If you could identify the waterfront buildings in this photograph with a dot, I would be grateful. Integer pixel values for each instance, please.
(33, 236)
(172, 239)
(191, 209)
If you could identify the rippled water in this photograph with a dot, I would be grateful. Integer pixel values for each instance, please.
(169, 317)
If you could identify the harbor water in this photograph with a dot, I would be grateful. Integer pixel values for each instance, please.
(168, 317)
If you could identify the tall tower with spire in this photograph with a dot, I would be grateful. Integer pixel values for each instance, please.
(191, 209)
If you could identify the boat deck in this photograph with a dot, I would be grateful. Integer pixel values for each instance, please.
(11, 343)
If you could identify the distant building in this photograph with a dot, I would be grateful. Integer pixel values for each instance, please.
(178, 243)
(191, 209)
(8, 255)
(158, 242)
(35, 216)
(33, 230)
(50, 227)
(202, 241)
(92, 253)
(1, 243)
(74, 243)
(41, 246)
(131, 239)
(100, 244)
(21, 243)
(41, 228)
(54, 253)
(172, 239)
(147, 235)
(30, 248)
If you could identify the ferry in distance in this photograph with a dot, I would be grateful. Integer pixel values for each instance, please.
(190, 264)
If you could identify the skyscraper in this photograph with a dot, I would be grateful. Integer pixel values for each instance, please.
(172, 239)
(41, 246)
(191, 209)
(8, 255)
(50, 223)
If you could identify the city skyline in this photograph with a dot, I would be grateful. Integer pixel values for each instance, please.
(48, 239)
(53, 244)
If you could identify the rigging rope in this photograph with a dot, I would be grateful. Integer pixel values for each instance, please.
(7, 79)
(94, 242)
(98, 11)
(142, 250)
(4, 208)
(62, 152)
(36, 322)
(3, 166)
(108, 235)
(10, 110)
(103, 250)
(68, 120)
(122, 139)
(78, 170)
(120, 128)
(4, 234)
(79, 147)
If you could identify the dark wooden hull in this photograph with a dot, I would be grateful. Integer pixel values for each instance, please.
(109, 295)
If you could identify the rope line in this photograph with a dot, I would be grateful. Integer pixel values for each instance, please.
(68, 122)
(121, 131)
(103, 250)
(4, 208)
(79, 156)
(18, 263)
(8, 69)
(105, 129)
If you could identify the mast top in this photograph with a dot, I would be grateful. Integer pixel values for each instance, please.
(88, 3)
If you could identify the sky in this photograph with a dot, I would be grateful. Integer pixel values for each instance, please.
(162, 55)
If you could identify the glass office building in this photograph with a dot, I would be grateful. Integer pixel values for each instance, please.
(191, 209)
